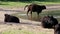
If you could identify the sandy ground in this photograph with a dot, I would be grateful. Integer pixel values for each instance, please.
(25, 24)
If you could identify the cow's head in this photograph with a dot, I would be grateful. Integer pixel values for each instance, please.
(7, 15)
(43, 7)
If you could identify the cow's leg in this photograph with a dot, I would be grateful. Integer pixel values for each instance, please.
(38, 14)
(27, 12)
(31, 14)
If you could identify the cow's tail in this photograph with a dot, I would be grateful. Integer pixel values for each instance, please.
(26, 6)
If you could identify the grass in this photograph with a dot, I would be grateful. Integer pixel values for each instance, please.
(21, 4)
(22, 32)
(17, 32)
(12, 4)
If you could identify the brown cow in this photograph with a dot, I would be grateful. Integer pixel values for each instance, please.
(10, 18)
(35, 8)
(49, 21)
(57, 29)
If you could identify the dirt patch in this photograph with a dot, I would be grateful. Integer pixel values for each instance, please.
(34, 28)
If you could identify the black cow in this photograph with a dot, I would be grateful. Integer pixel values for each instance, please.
(35, 8)
(9, 18)
(49, 21)
(57, 29)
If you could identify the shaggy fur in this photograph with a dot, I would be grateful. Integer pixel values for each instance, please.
(9, 18)
(49, 21)
(57, 29)
(35, 8)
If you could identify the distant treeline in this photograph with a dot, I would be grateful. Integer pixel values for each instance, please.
(33, 0)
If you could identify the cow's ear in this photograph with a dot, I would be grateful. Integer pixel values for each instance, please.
(51, 16)
(5, 14)
(48, 16)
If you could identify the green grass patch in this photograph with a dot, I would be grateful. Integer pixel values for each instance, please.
(23, 32)
(12, 4)
(21, 4)
(17, 32)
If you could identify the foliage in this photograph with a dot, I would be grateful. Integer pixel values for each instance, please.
(22, 4)
(34, 0)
